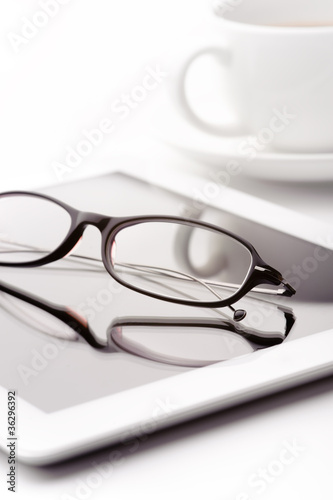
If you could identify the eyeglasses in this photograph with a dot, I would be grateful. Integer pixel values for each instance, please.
(170, 258)
(185, 342)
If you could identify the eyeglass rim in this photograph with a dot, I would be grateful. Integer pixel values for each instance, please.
(131, 221)
(66, 245)
(259, 272)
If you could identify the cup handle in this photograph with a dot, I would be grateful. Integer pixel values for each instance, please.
(182, 252)
(223, 54)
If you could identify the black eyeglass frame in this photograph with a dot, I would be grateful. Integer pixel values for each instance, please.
(259, 272)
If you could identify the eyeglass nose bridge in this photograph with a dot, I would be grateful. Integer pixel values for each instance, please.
(99, 221)
(80, 222)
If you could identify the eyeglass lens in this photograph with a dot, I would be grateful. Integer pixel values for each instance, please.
(153, 256)
(30, 228)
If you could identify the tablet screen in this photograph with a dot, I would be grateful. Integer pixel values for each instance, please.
(55, 373)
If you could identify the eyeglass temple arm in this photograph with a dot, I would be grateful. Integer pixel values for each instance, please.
(272, 275)
(270, 278)
(239, 314)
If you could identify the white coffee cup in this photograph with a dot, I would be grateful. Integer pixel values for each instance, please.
(278, 56)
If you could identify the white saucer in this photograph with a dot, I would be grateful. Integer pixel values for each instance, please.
(171, 127)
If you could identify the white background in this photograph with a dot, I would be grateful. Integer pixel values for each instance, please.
(67, 76)
(61, 82)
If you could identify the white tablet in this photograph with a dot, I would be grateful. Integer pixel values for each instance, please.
(60, 397)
